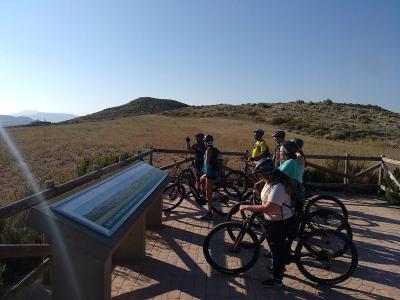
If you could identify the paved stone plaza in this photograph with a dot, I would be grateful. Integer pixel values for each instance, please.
(175, 267)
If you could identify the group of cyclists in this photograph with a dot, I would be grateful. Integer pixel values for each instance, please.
(277, 171)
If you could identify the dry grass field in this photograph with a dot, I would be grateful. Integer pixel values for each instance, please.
(53, 152)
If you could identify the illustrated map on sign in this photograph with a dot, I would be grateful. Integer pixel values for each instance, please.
(106, 205)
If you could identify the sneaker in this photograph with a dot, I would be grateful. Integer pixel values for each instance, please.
(272, 283)
(207, 216)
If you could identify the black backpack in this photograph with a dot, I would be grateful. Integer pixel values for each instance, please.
(298, 196)
(214, 159)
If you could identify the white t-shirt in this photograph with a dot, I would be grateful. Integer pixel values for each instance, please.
(277, 195)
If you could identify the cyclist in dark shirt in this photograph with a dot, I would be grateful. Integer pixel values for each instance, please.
(199, 149)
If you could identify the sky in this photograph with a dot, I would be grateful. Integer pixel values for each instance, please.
(83, 56)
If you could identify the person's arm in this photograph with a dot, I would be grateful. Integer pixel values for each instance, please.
(268, 207)
(188, 144)
(300, 159)
(257, 186)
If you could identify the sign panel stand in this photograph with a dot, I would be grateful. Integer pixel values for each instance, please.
(99, 226)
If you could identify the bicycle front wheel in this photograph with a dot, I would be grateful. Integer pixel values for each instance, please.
(223, 201)
(332, 258)
(173, 195)
(237, 179)
(229, 256)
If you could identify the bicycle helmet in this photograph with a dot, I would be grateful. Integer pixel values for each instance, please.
(259, 132)
(208, 140)
(265, 166)
(298, 142)
(289, 147)
(279, 134)
(199, 135)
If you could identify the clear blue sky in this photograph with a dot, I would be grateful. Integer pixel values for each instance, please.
(83, 56)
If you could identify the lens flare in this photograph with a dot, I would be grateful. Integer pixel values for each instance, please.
(43, 204)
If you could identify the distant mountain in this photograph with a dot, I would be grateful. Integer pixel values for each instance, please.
(43, 116)
(139, 106)
(7, 121)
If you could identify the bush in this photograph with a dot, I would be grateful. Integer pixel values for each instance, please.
(279, 120)
(392, 193)
(84, 166)
(2, 270)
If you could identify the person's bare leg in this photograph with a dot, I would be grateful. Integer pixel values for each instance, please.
(209, 192)
(203, 185)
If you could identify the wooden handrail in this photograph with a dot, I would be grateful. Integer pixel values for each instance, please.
(19, 289)
(344, 157)
(182, 151)
(370, 169)
(33, 200)
(24, 250)
(178, 163)
(310, 164)
(390, 175)
(391, 161)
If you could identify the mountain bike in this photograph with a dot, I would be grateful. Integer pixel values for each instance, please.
(324, 256)
(317, 219)
(224, 195)
(242, 179)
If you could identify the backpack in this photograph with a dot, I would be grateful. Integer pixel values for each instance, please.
(215, 159)
(298, 196)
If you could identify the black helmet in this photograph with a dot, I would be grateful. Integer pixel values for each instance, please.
(208, 140)
(259, 132)
(280, 134)
(290, 147)
(199, 135)
(298, 142)
(265, 166)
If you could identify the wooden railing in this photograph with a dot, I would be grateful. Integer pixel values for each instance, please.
(51, 191)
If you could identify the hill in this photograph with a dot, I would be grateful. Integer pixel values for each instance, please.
(139, 106)
(336, 121)
(7, 121)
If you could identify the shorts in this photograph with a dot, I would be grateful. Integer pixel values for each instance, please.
(198, 166)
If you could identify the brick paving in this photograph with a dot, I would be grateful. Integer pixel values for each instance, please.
(175, 267)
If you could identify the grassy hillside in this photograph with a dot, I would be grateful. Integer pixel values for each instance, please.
(55, 151)
(140, 106)
(335, 121)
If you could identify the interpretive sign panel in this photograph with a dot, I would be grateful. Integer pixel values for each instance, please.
(105, 206)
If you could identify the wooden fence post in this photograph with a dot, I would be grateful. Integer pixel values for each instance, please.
(346, 168)
(380, 175)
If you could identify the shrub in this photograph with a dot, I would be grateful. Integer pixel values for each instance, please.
(83, 167)
(279, 120)
(327, 101)
(392, 193)
(2, 270)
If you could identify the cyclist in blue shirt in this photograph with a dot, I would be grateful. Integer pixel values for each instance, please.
(289, 164)
(212, 159)
(199, 149)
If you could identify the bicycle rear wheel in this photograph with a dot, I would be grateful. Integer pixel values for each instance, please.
(173, 195)
(229, 256)
(327, 202)
(326, 262)
(223, 201)
(326, 219)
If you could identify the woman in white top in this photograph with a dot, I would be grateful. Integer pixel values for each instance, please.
(277, 208)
